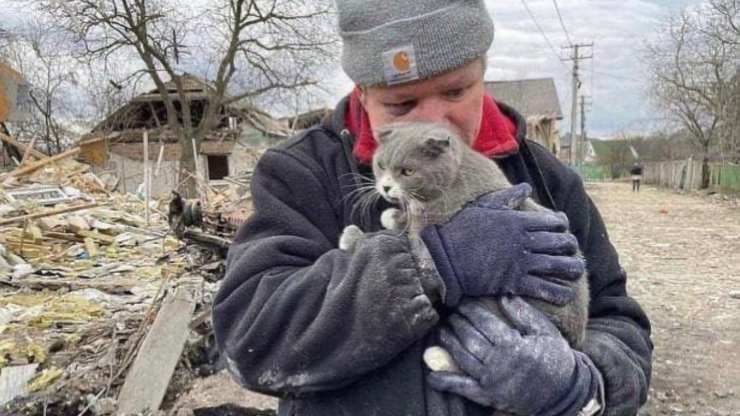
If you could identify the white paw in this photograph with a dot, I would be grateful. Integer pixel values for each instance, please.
(391, 219)
(350, 235)
(438, 359)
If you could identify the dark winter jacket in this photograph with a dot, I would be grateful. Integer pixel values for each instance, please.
(334, 333)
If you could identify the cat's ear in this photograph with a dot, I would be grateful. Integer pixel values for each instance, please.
(433, 147)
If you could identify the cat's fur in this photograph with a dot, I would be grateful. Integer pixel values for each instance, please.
(431, 174)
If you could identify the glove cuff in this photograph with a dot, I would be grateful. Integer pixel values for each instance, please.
(586, 386)
(437, 249)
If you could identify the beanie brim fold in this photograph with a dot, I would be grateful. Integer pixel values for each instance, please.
(435, 43)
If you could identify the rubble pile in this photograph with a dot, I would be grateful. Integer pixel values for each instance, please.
(90, 292)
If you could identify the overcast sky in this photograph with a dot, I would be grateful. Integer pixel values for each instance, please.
(612, 79)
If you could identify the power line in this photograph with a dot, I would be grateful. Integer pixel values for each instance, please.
(621, 77)
(560, 17)
(542, 32)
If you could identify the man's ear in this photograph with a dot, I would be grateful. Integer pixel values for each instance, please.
(363, 97)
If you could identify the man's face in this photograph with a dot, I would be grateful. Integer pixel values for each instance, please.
(454, 98)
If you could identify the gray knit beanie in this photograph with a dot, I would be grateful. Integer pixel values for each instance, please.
(387, 42)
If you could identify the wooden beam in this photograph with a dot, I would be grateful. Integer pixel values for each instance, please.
(150, 374)
(118, 288)
(48, 213)
(31, 167)
(21, 147)
(28, 150)
(96, 236)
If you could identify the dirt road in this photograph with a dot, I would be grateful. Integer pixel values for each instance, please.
(682, 257)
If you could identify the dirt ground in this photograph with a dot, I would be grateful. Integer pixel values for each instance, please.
(682, 257)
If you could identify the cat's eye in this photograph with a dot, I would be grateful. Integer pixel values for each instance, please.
(407, 171)
(381, 166)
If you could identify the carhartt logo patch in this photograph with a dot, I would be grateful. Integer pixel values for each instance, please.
(400, 65)
(401, 62)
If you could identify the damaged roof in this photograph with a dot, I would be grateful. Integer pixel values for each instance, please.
(146, 112)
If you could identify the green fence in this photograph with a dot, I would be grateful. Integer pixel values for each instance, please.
(726, 177)
(593, 173)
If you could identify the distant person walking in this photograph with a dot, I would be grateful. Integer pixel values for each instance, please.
(636, 173)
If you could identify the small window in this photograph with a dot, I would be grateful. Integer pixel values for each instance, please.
(218, 167)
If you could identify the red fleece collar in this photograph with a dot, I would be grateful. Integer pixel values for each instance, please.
(497, 136)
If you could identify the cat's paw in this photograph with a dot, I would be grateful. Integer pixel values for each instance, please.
(393, 219)
(350, 236)
(438, 359)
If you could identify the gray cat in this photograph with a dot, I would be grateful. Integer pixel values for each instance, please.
(431, 174)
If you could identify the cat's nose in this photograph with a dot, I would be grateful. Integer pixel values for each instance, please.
(387, 189)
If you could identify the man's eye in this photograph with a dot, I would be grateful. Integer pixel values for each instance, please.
(456, 93)
(398, 109)
(407, 171)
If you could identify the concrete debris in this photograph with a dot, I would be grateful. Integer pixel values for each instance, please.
(83, 276)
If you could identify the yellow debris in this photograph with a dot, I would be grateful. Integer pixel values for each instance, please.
(36, 353)
(112, 251)
(91, 247)
(72, 339)
(44, 380)
(55, 308)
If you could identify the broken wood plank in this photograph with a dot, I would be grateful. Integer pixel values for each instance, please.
(76, 224)
(150, 374)
(22, 147)
(64, 236)
(28, 150)
(91, 247)
(210, 241)
(118, 288)
(49, 223)
(31, 167)
(98, 237)
(13, 381)
(48, 213)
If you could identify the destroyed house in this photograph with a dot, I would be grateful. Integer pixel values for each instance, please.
(116, 145)
(14, 106)
(537, 101)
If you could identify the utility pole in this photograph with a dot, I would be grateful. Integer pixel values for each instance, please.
(576, 84)
(584, 137)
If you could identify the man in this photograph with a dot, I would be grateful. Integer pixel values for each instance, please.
(335, 333)
(636, 173)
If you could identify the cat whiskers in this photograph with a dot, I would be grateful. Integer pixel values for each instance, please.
(365, 203)
(358, 193)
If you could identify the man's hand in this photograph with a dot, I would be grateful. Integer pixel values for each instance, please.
(528, 370)
(489, 248)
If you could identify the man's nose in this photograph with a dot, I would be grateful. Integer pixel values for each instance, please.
(430, 109)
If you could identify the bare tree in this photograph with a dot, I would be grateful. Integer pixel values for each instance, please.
(39, 54)
(724, 16)
(692, 74)
(248, 48)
